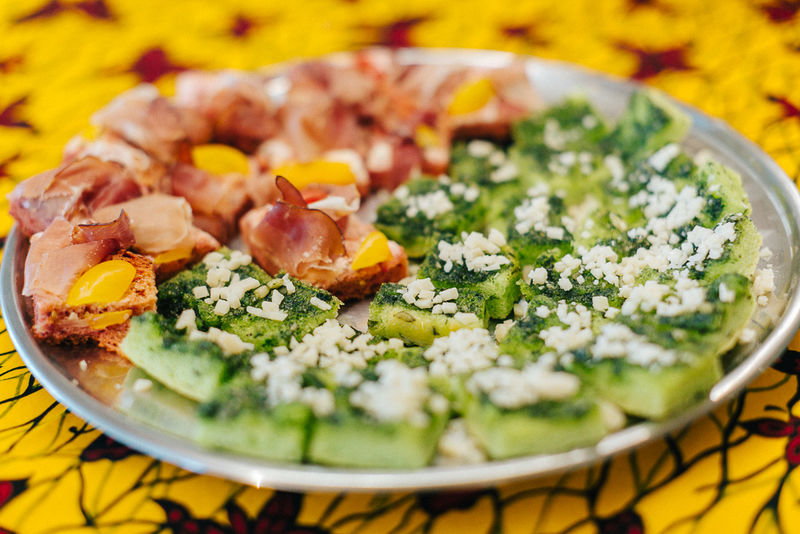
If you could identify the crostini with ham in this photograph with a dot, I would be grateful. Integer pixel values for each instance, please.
(345, 256)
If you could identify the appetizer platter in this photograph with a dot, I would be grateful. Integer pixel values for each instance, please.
(400, 269)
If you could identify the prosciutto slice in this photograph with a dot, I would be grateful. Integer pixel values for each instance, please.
(154, 124)
(149, 173)
(288, 236)
(159, 222)
(219, 200)
(236, 106)
(73, 191)
(308, 244)
(336, 200)
(62, 252)
(119, 229)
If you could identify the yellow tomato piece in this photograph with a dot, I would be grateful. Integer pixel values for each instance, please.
(374, 250)
(471, 96)
(220, 159)
(104, 283)
(316, 172)
(426, 137)
(98, 321)
(173, 255)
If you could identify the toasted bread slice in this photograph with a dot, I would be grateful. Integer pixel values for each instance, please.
(58, 323)
(363, 283)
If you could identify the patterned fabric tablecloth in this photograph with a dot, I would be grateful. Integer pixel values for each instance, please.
(733, 471)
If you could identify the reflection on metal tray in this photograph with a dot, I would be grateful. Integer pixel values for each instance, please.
(93, 393)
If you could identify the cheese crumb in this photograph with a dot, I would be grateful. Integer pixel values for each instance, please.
(457, 446)
(319, 303)
(141, 385)
(200, 292)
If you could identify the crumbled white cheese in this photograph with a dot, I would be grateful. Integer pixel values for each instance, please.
(200, 292)
(422, 294)
(619, 341)
(319, 303)
(513, 388)
(399, 395)
(501, 330)
(615, 167)
(504, 173)
(476, 252)
(222, 307)
(140, 385)
(462, 351)
(457, 446)
(520, 308)
(479, 148)
(763, 285)
(229, 343)
(538, 276)
(663, 156)
(600, 303)
(187, 320)
(283, 377)
(748, 335)
(577, 333)
(430, 205)
(726, 294)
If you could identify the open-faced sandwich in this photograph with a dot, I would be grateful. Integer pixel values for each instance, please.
(535, 276)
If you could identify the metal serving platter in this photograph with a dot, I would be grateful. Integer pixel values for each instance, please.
(92, 394)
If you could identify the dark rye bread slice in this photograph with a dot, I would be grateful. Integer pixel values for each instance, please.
(58, 323)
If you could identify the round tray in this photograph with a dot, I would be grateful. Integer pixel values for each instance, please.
(776, 212)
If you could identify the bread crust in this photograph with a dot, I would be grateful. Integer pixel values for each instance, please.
(363, 283)
(56, 322)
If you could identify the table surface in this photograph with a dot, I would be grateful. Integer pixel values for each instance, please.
(733, 471)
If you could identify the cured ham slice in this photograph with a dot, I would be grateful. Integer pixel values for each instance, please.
(58, 256)
(73, 191)
(154, 124)
(434, 87)
(216, 200)
(159, 223)
(305, 243)
(149, 173)
(336, 200)
(236, 106)
(308, 244)
(62, 252)
(119, 229)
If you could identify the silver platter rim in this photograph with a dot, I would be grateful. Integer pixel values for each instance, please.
(777, 185)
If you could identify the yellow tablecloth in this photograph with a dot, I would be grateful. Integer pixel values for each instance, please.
(60, 60)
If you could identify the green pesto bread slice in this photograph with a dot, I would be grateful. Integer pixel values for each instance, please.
(649, 122)
(241, 419)
(533, 410)
(423, 208)
(195, 368)
(397, 312)
(268, 311)
(378, 424)
(477, 262)
(146, 399)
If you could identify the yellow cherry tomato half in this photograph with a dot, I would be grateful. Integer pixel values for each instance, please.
(98, 321)
(316, 172)
(471, 96)
(173, 255)
(373, 250)
(426, 137)
(220, 159)
(104, 283)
